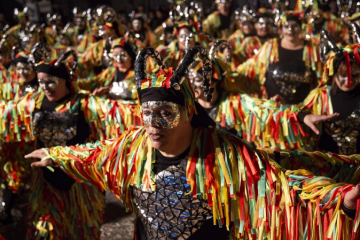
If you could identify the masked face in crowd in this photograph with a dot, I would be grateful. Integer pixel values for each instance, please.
(121, 58)
(137, 25)
(53, 87)
(263, 26)
(247, 27)
(165, 124)
(291, 29)
(197, 82)
(183, 33)
(341, 78)
(25, 71)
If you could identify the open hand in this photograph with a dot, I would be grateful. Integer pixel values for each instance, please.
(101, 91)
(39, 154)
(311, 120)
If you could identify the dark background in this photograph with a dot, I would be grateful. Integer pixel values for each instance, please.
(64, 7)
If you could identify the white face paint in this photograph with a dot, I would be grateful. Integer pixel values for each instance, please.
(24, 70)
(291, 28)
(120, 55)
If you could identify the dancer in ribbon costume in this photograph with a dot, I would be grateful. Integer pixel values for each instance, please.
(188, 180)
(219, 23)
(288, 67)
(14, 169)
(118, 80)
(60, 207)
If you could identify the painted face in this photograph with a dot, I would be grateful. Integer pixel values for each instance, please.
(160, 114)
(49, 83)
(264, 23)
(183, 33)
(291, 28)
(247, 27)
(120, 55)
(137, 25)
(24, 70)
(196, 79)
(342, 79)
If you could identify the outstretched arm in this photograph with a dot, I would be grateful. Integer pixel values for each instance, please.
(108, 164)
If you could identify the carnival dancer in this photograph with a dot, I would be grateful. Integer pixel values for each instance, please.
(288, 67)
(320, 18)
(61, 208)
(218, 24)
(118, 80)
(188, 180)
(15, 170)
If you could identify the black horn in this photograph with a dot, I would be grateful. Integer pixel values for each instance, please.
(140, 63)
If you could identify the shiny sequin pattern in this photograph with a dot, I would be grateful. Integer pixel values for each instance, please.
(345, 132)
(161, 114)
(125, 89)
(53, 128)
(170, 212)
(28, 89)
(288, 82)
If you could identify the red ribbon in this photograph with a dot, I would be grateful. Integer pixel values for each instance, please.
(348, 67)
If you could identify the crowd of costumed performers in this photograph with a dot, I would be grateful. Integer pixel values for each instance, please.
(239, 123)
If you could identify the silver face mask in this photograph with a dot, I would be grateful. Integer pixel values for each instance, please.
(196, 79)
(24, 69)
(49, 83)
(263, 23)
(160, 114)
(183, 35)
(120, 56)
(291, 28)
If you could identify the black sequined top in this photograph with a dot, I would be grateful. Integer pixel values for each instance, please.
(289, 77)
(341, 134)
(30, 87)
(59, 129)
(171, 212)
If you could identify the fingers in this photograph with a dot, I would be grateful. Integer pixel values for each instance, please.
(36, 154)
(328, 117)
(39, 164)
(313, 128)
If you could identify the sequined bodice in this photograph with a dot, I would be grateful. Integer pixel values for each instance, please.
(125, 89)
(170, 212)
(345, 132)
(54, 128)
(289, 81)
(28, 89)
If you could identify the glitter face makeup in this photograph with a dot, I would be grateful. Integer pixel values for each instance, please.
(160, 114)
(49, 83)
(196, 79)
(120, 56)
(264, 23)
(291, 28)
(24, 70)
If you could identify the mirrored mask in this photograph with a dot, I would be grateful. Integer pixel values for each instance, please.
(196, 79)
(49, 83)
(24, 69)
(160, 114)
(291, 28)
(120, 56)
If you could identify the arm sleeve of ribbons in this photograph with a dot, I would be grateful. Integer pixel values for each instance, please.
(249, 193)
(109, 118)
(262, 122)
(17, 116)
